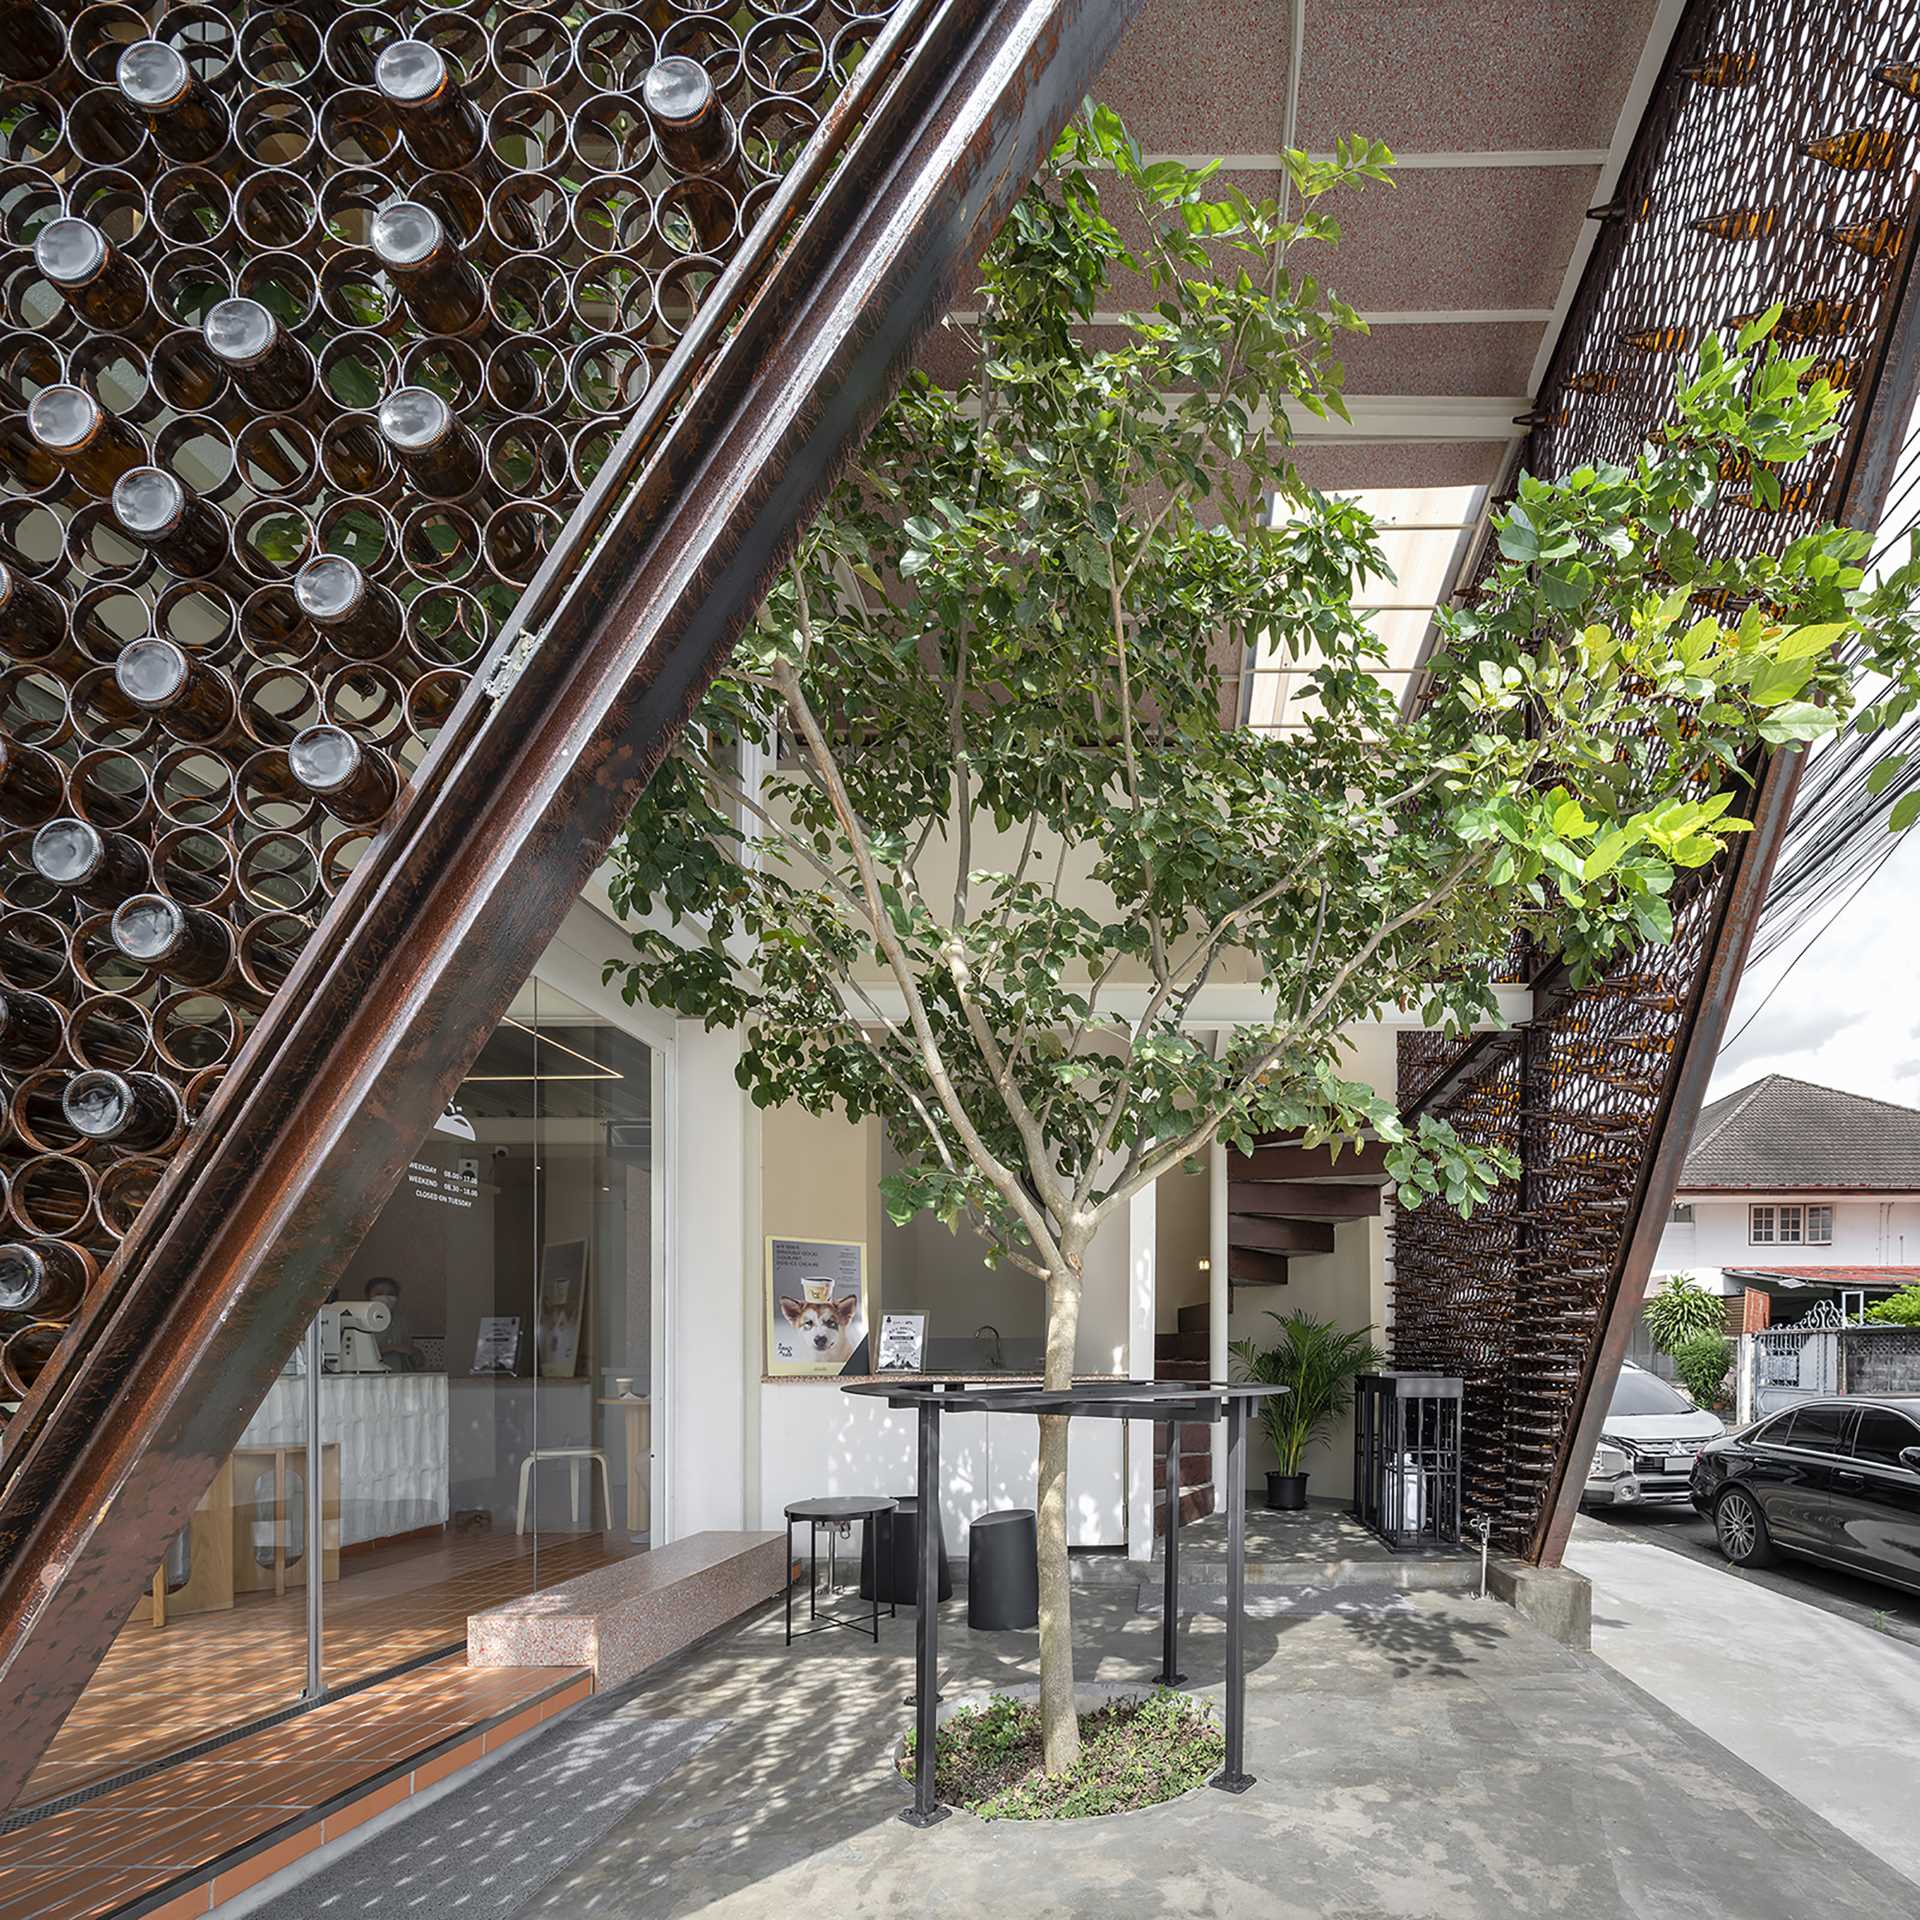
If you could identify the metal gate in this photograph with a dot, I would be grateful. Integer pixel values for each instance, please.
(1794, 1363)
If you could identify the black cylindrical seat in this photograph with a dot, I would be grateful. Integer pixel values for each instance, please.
(1003, 1571)
(899, 1557)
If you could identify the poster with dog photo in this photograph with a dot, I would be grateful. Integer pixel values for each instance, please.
(816, 1304)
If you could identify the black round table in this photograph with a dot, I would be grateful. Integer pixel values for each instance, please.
(833, 1512)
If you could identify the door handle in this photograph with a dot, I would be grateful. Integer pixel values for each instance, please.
(1848, 1477)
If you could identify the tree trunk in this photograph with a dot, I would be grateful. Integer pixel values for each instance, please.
(1059, 1725)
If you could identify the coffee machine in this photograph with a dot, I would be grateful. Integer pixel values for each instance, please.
(348, 1336)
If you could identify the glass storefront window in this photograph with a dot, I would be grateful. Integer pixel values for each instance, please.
(484, 1407)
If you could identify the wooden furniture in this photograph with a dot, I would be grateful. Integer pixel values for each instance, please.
(576, 1458)
(639, 1424)
(208, 1587)
(252, 1513)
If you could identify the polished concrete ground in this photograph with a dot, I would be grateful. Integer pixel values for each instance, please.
(1828, 1708)
(1417, 1755)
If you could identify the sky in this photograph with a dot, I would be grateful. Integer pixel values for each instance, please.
(1848, 1014)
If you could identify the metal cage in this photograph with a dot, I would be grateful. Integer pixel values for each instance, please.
(1406, 1458)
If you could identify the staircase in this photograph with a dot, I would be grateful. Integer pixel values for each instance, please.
(1182, 1355)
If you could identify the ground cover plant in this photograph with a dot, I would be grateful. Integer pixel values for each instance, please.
(1133, 1753)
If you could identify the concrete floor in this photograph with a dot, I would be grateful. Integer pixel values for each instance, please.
(1417, 1755)
(1826, 1707)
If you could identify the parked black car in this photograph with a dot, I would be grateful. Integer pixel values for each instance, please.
(1836, 1481)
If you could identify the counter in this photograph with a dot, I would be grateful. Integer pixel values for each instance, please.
(391, 1429)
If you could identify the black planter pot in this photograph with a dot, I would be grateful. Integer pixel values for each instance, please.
(1286, 1492)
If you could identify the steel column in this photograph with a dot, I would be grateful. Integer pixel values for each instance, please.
(1170, 1674)
(926, 1809)
(1234, 1777)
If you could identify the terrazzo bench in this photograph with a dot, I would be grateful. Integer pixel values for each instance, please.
(623, 1618)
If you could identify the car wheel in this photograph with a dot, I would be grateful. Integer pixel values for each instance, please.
(1742, 1530)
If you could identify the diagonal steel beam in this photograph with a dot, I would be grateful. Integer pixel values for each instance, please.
(517, 803)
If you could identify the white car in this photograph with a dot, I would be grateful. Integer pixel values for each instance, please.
(1648, 1444)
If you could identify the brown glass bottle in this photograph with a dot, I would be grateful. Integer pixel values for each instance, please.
(194, 701)
(44, 1280)
(272, 370)
(160, 511)
(33, 786)
(696, 133)
(156, 82)
(105, 289)
(26, 1353)
(69, 425)
(357, 783)
(33, 45)
(35, 624)
(100, 868)
(136, 1110)
(187, 944)
(360, 618)
(442, 290)
(439, 455)
(32, 1031)
(444, 130)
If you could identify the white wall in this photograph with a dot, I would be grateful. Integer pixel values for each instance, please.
(1867, 1232)
(1346, 1286)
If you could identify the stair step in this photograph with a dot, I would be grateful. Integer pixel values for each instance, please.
(1196, 1319)
(1180, 1346)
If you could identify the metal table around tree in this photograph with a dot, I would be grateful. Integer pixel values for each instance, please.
(1174, 1401)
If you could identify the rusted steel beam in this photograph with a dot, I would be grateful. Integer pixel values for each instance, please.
(518, 802)
(1865, 476)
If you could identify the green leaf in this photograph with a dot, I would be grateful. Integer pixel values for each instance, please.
(1803, 642)
(1906, 810)
(1797, 721)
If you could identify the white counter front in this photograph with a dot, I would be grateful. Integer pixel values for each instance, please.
(391, 1429)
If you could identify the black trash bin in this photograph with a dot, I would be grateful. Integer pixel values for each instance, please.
(899, 1557)
(1003, 1571)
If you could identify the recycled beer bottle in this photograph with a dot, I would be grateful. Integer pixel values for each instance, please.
(196, 702)
(32, 1031)
(33, 43)
(43, 1279)
(187, 944)
(443, 128)
(360, 618)
(439, 455)
(91, 275)
(696, 133)
(442, 291)
(141, 1111)
(357, 783)
(1858, 150)
(96, 447)
(33, 786)
(188, 123)
(269, 367)
(101, 869)
(158, 510)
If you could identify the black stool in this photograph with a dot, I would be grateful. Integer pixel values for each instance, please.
(1003, 1571)
(898, 1557)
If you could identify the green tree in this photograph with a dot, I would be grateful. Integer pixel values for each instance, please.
(1900, 1309)
(1010, 830)
(1701, 1360)
(1682, 1310)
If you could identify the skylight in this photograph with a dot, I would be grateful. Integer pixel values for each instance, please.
(1423, 533)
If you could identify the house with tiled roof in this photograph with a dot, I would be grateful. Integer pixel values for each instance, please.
(1794, 1194)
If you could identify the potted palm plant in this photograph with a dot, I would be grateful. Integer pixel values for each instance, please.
(1317, 1362)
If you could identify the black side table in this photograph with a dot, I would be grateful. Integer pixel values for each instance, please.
(832, 1512)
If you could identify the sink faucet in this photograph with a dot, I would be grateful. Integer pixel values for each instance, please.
(994, 1356)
